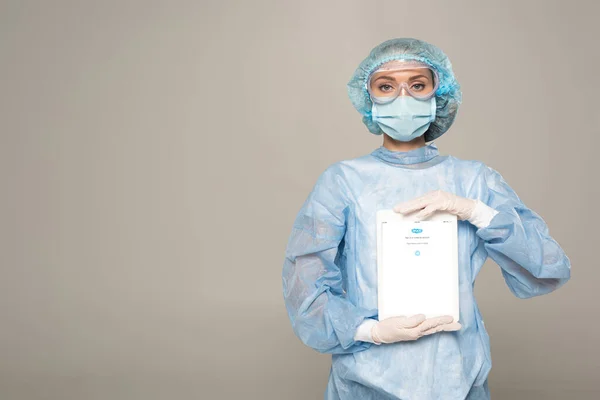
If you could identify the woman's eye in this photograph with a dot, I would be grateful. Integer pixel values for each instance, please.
(386, 87)
(418, 86)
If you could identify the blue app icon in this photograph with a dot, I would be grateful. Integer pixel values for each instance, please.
(417, 253)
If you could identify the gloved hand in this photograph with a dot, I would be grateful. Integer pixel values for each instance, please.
(398, 329)
(438, 200)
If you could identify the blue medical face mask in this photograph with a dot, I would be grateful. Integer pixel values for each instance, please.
(405, 118)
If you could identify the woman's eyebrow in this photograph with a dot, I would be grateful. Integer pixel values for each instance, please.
(389, 78)
(412, 78)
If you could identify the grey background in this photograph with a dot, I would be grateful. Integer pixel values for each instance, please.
(154, 154)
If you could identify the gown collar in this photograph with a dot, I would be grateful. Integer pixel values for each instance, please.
(415, 156)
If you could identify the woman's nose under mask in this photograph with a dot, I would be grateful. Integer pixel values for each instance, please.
(405, 118)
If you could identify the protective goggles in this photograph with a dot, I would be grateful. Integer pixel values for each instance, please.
(395, 77)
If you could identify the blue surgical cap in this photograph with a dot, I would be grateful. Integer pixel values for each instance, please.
(448, 95)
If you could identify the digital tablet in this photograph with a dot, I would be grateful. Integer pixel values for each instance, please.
(417, 265)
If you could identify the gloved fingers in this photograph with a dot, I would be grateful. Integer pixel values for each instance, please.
(436, 321)
(453, 326)
(418, 203)
(396, 329)
(402, 321)
(411, 333)
(431, 331)
(412, 321)
(408, 207)
(427, 211)
(413, 205)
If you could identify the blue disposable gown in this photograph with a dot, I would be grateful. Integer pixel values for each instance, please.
(330, 273)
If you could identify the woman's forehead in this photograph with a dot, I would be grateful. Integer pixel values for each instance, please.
(403, 73)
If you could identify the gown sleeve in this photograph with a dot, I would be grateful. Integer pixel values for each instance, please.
(517, 239)
(322, 315)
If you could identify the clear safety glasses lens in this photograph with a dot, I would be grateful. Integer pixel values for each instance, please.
(385, 86)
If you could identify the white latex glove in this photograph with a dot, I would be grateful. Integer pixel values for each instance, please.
(474, 211)
(398, 329)
(438, 200)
